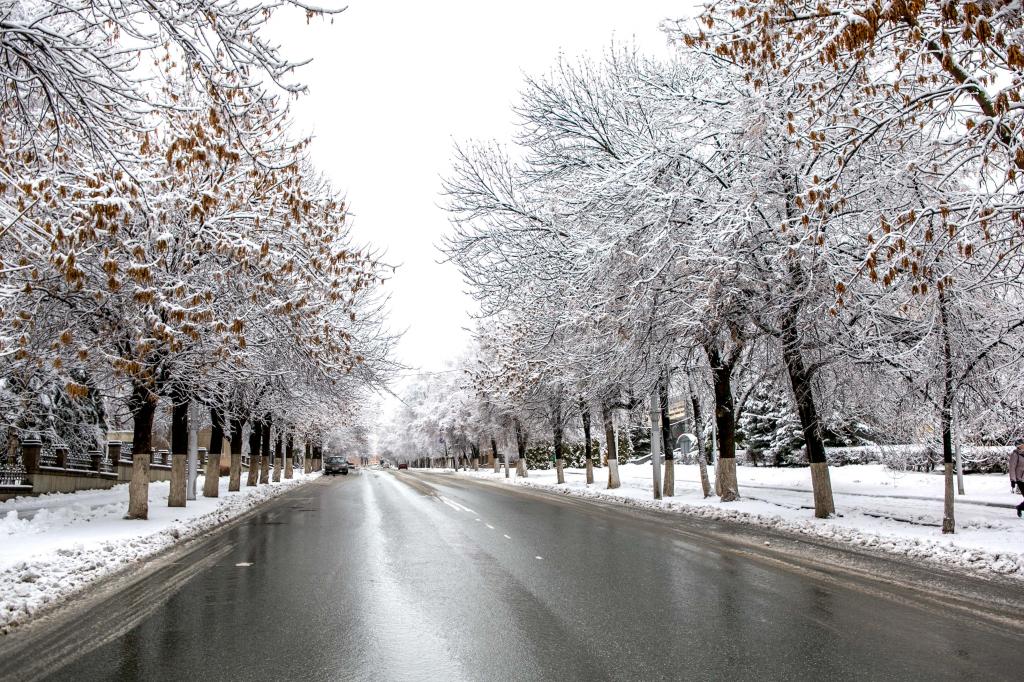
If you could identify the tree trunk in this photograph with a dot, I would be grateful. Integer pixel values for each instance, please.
(588, 447)
(705, 484)
(278, 457)
(138, 487)
(235, 474)
(495, 456)
(559, 464)
(656, 443)
(143, 406)
(217, 434)
(521, 468)
(946, 418)
(211, 481)
(179, 448)
(698, 421)
(179, 480)
(255, 434)
(666, 435)
(265, 451)
(192, 462)
(725, 425)
(289, 458)
(800, 380)
(611, 447)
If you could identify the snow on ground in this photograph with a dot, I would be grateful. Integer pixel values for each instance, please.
(897, 512)
(54, 545)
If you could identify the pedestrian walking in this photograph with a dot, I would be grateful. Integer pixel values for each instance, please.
(1016, 467)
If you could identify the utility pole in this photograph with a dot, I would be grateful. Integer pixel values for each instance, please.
(655, 413)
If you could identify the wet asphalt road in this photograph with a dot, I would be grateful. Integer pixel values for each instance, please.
(408, 576)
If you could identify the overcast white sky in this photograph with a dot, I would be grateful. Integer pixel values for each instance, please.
(394, 83)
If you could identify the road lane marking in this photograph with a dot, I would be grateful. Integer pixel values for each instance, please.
(508, 537)
(449, 503)
(243, 564)
(489, 526)
(539, 558)
(456, 505)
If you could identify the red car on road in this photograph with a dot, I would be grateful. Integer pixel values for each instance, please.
(403, 465)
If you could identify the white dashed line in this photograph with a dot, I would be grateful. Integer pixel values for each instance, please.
(489, 526)
(508, 537)
(476, 519)
(539, 558)
(243, 564)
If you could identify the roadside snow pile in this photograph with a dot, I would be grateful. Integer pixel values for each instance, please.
(879, 510)
(54, 545)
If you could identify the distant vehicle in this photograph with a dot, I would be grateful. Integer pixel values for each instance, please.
(335, 465)
(403, 465)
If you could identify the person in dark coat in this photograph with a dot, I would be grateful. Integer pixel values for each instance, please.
(1016, 467)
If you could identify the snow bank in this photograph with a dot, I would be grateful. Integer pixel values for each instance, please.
(52, 546)
(877, 509)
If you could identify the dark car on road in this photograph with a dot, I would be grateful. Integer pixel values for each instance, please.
(403, 465)
(335, 465)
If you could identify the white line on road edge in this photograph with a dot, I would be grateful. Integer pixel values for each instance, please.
(457, 505)
(449, 503)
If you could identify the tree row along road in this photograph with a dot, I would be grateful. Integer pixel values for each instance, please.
(388, 576)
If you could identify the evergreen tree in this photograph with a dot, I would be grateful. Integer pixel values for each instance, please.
(771, 428)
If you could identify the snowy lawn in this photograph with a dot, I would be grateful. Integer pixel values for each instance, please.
(895, 512)
(54, 545)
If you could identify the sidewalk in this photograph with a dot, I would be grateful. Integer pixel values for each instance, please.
(899, 513)
(55, 545)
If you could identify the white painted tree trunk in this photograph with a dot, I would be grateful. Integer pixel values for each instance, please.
(669, 488)
(211, 482)
(821, 484)
(948, 519)
(138, 487)
(611, 447)
(179, 480)
(235, 472)
(613, 474)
